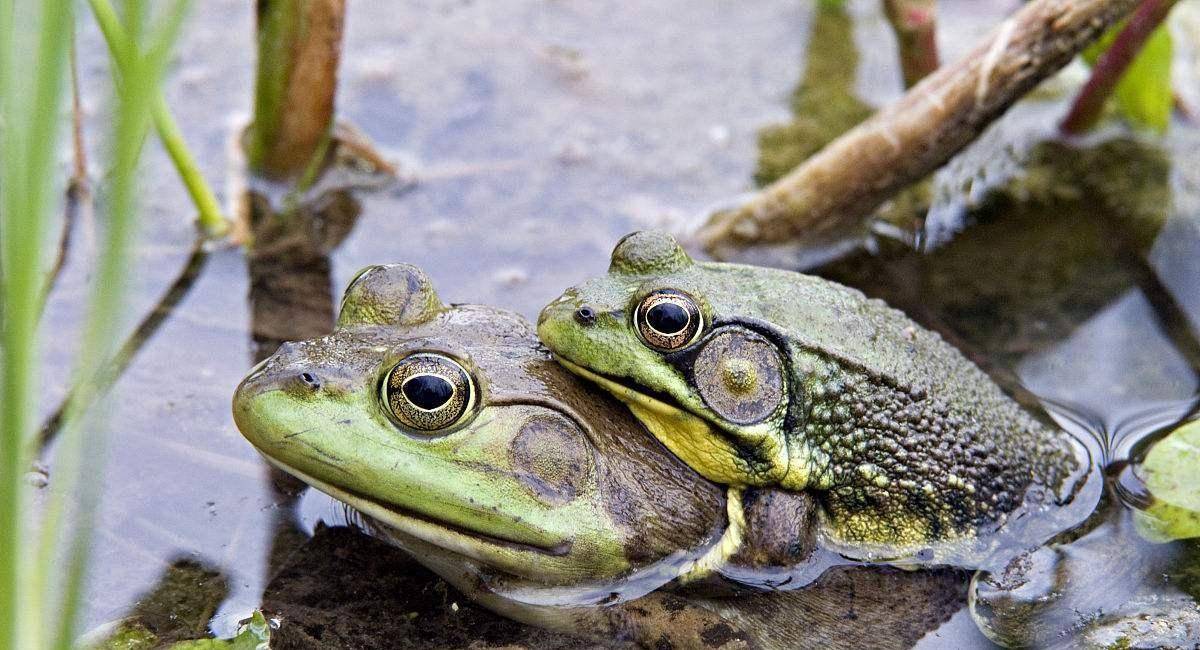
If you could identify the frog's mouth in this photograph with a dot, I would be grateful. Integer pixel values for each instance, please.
(453, 537)
(694, 440)
(631, 394)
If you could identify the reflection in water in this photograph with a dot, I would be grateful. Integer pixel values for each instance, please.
(1062, 596)
(178, 608)
(291, 299)
(291, 292)
(824, 104)
(176, 292)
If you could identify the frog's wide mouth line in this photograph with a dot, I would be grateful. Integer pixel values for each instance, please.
(441, 533)
(629, 392)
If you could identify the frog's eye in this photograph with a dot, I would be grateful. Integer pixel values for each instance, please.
(428, 392)
(668, 320)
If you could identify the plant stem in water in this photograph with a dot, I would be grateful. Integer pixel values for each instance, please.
(1089, 105)
(299, 46)
(915, 25)
(211, 221)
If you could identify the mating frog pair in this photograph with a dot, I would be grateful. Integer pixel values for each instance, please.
(804, 428)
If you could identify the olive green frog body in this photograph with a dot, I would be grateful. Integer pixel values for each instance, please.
(461, 441)
(763, 377)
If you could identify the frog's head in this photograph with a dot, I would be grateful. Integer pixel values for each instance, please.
(452, 425)
(711, 388)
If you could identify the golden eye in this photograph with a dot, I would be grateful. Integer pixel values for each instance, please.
(668, 320)
(428, 392)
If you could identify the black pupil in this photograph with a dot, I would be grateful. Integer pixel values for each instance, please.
(667, 317)
(428, 391)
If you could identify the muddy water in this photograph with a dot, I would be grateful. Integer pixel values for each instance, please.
(531, 135)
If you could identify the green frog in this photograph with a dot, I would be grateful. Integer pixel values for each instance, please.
(456, 435)
(763, 377)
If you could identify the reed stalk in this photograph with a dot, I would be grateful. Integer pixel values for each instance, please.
(42, 575)
(211, 220)
(299, 46)
(31, 86)
(82, 450)
(1111, 66)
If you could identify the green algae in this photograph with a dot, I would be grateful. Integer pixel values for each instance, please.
(177, 609)
(253, 634)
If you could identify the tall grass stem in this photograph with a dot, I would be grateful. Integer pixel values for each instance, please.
(211, 220)
(31, 89)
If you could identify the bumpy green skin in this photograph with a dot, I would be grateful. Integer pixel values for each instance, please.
(542, 482)
(906, 441)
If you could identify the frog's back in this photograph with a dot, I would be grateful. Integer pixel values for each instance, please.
(909, 437)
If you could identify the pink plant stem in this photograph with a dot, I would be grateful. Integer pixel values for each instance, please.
(915, 24)
(1089, 105)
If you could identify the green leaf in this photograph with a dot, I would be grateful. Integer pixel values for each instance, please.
(1143, 95)
(1171, 476)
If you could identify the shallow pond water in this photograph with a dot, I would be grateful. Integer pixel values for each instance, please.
(533, 134)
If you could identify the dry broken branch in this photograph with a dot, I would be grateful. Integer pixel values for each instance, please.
(913, 136)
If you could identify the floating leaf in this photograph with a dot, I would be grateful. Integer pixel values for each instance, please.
(1171, 473)
(1143, 95)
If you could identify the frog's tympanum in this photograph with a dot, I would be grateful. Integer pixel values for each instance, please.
(763, 377)
(460, 439)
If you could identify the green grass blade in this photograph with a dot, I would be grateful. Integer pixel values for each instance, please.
(31, 121)
(212, 222)
(135, 99)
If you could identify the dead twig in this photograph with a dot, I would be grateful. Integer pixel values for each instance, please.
(902, 143)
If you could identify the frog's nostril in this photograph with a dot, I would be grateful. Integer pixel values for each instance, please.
(310, 380)
(585, 315)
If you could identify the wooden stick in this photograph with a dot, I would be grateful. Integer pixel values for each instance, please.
(902, 143)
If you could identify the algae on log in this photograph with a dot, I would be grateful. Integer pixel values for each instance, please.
(299, 46)
(905, 141)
